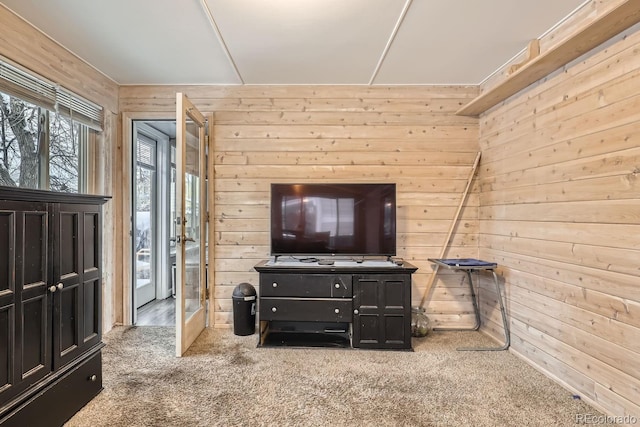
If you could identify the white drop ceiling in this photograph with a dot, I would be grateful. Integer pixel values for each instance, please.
(227, 42)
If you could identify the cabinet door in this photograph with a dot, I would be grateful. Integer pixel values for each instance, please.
(382, 311)
(25, 306)
(77, 275)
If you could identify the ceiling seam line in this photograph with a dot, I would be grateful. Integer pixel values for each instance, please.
(390, 41)
(225, 48)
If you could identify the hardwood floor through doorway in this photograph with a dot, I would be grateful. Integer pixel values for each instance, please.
(158, 313)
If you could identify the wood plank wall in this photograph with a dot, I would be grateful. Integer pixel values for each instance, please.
(26, 46)
(406, 135)
(560, 213)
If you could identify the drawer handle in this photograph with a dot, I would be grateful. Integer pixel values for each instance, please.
(93, 378)
(337, 310)
(274, 284)
(274, 309)
(337, 285)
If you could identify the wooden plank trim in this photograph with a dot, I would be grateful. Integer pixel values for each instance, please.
(601, 30)
(533, 50)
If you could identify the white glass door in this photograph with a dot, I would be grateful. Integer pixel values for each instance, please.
(144, 220)
(190, 223)
(151, 224)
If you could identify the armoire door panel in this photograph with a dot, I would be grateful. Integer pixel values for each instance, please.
(34, 253)
(7, 298)
(33, 306)
(68, 244)
(91, 318)
(69, 298)
(35, 354)
(7, 346)
(90, 241)
(24, 305)
(69, 271)
(7, 252)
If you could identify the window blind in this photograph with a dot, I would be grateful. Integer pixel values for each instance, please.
(30, 87)
(16, 82)
(79, 109)
(146, 152)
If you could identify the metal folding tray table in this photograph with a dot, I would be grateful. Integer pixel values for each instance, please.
(470, 265)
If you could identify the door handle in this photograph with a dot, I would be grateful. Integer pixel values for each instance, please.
(184, 239)
(54, 288)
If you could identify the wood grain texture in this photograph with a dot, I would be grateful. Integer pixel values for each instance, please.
(559, 212)
(406, 135)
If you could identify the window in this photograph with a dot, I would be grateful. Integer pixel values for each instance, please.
(68, 147)
(44, 132)
(40, 148)
(172, 198)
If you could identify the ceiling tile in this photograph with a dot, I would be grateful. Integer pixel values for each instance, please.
(464, 41)
(135, 42)
(294, 41)
(306, 41)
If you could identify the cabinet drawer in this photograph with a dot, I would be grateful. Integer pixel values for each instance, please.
(57, 402)
(306, 285)
(310, 310)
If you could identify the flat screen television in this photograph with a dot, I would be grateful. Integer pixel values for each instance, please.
(333, 219)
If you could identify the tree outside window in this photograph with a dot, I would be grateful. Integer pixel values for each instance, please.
(39, 148)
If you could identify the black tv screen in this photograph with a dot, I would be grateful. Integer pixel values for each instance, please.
(333, 219)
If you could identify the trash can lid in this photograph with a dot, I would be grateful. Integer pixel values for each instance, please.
(244, 290)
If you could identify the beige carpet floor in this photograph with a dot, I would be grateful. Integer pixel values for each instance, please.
(225, 380)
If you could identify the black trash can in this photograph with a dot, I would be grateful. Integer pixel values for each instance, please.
(244, 309)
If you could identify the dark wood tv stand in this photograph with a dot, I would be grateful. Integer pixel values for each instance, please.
(348, 304)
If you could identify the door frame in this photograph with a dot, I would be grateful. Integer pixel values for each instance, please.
(122, 296)
(161, 205)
